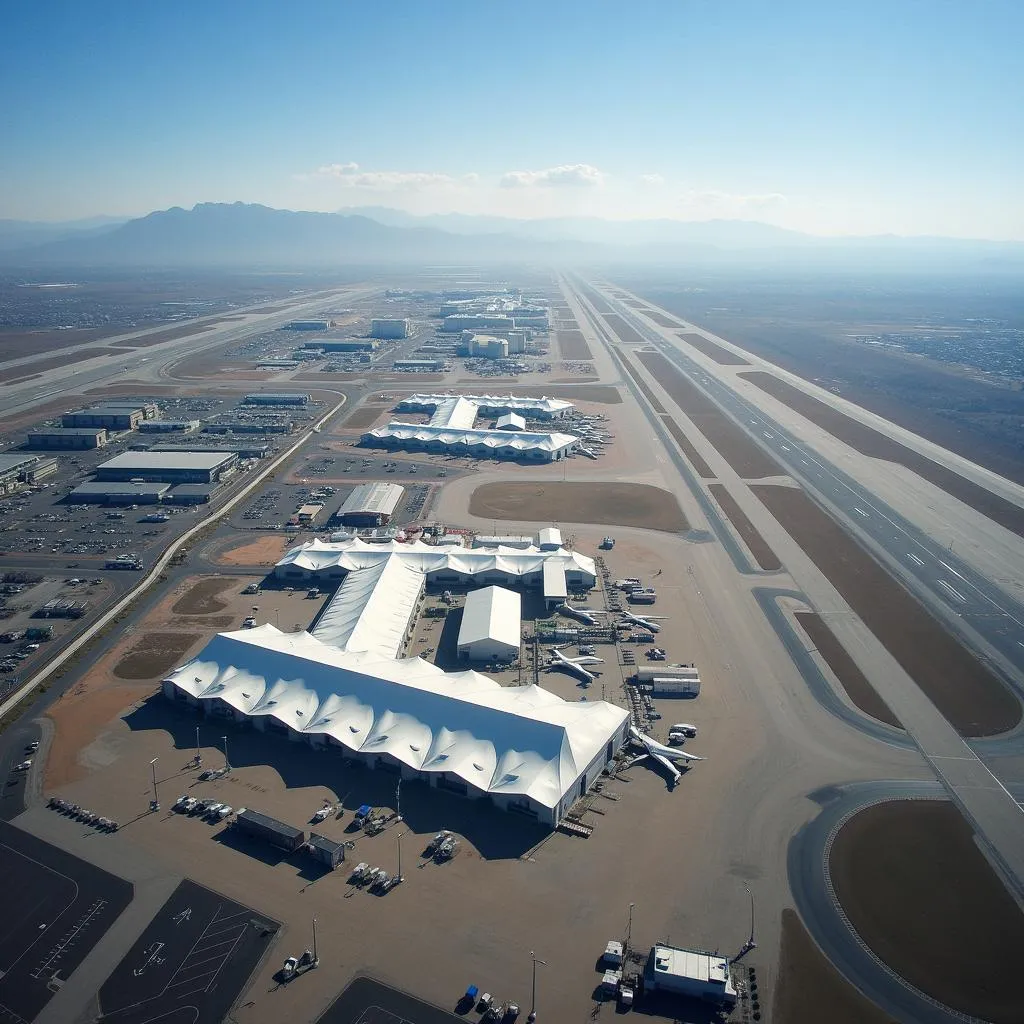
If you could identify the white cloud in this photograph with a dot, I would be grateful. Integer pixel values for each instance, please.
(713, 203)
(652, 179)
(565, 176)
(350, 175)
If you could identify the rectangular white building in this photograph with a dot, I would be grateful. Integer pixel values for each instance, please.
(491, 625)
(389, 327)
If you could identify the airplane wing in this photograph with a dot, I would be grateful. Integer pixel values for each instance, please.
(653, 747)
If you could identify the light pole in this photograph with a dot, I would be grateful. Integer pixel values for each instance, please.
(751, 944)
(629, 928)
(154, 804)
(199, 755)
(399, 841)
(227, 762)
(316, 956)
(533, 998)
(398, 801)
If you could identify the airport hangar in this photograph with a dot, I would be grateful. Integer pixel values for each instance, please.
(452, 428)
(345, 683)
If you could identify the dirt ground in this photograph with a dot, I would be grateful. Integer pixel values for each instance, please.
(266, 550)
(645, 390)
(693, 456)
(626, 333)
(925, 900)
(202, 599)
(154, 655)
(10, 373)
(810, 990)
(845, 669)
(722, 356)
(17, 344)
(185, 331)
(603, 504)
(965, 692)
(732, 443)
(869, 441)
(659, 318)
(763, 555)
(362, 418)
(572, 345)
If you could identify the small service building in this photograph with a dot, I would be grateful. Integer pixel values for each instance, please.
(491, 625)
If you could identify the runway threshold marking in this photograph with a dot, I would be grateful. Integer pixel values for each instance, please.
(955, 594)
(48, 968)
(914, 558)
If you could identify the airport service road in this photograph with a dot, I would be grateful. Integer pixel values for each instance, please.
(959, 594)
(109, 369)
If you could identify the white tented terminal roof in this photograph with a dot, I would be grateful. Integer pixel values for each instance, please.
(455, 413)
(492, 403)
(493, 440)
(492, 621)
(550, 538)
(510, 421)
(555, 588)
(373, 608)
(521, 740)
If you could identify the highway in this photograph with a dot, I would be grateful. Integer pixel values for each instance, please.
(970, 604)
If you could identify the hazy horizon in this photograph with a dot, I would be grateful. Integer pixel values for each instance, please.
(894, 118)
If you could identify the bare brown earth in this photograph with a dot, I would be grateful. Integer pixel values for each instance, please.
(174, 332)
(653, 399)
(810, 990)
(156, 654)
(75, 356)
(202, 599)
(635, 303)
(693, 456)
(972, 698)
(660, 319)
(746, 457)
(720, 355)
(264, 551)
(17, 344)
(573, 345)
(625, 331)
(21, 380)
(603, 504)
(871, 442)
(853, 681)
(925, 900)
(362, 418)
(763, 554)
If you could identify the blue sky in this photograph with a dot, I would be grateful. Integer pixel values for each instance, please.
(902, 116)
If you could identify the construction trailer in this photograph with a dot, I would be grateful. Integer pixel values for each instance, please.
(661, 680)
(277, 833)
(325, 850)
(690, 973)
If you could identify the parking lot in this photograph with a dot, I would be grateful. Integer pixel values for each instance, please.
(190, 963)
(367, 1001)
(56, 908)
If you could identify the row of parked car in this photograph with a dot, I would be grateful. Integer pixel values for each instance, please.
(82, 814)
(211, 810)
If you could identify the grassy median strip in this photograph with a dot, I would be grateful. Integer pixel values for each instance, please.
(746, 458)
(877, 445)
(757, 545)
(923, 898)
(974, 701)
(850, 677)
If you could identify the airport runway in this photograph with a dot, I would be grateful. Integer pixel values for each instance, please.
(948, 586)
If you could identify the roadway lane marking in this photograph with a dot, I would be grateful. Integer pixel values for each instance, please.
(861, 512)
(954, 593)
(914, 558)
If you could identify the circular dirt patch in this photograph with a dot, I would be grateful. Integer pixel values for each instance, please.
(202, 598)
(924, 899)
(603, 504)
(154, 655)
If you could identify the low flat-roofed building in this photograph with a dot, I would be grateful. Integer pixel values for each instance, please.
(68, 438)
(389, 327)
(172, 467)
(308, 325)
(421, 365)
(510, 421)
(483, 540)
(491, 625)
(343, 344)
(40, 470)
(325, 850)
(691, 973)
(168, 426)
(275, 832)
(12, 471)
(556, 589)
(277, 398)
(371, 504)
(307, 513)
(114, 492)
(190, 494)
(113, 417)
(549, 539)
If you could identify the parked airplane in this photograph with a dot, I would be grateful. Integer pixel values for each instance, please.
(585, 615)
(574, 665)
(665, 756)
(646, 621)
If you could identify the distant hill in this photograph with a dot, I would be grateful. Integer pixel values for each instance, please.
(17, 234)
(248, 235)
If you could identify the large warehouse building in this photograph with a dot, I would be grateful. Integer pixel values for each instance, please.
(172, 467)
(371, 504)
(389, 327)
(491, 625)
(111, 416)
(451, 428)
(68, 438)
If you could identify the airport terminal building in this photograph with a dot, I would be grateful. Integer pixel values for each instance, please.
(347, 683)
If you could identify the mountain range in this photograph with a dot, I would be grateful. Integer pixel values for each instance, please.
(249, 235)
